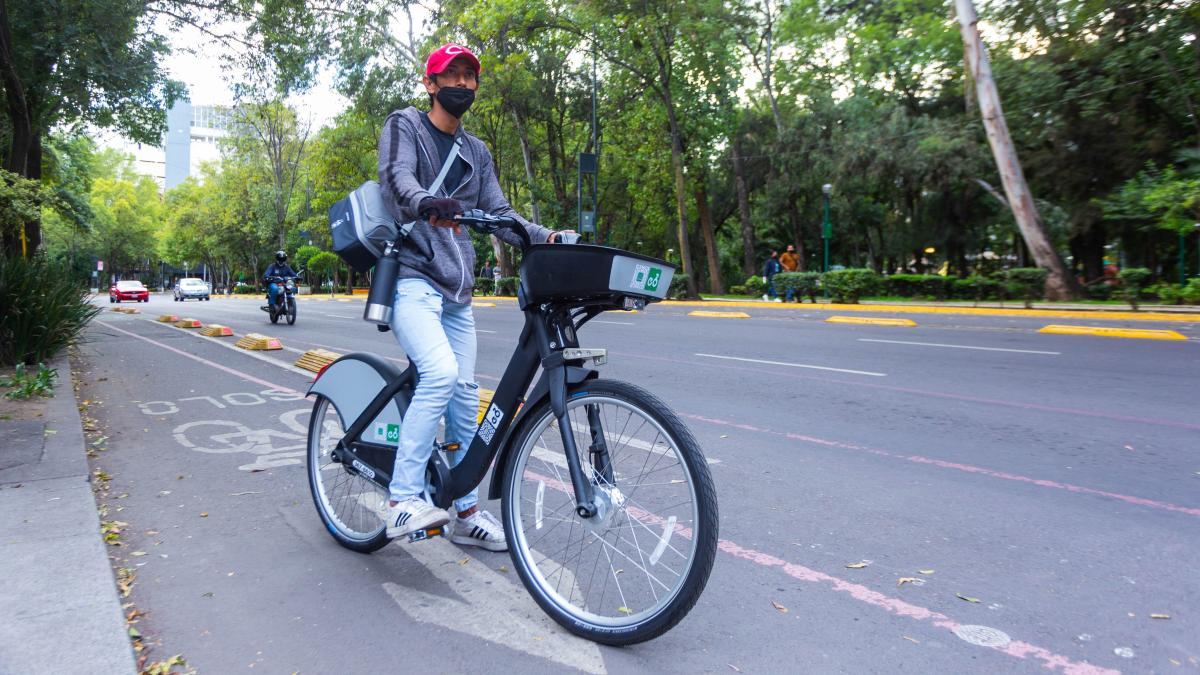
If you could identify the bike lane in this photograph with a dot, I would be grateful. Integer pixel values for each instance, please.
(234, 571)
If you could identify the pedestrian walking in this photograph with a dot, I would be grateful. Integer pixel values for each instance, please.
(790, 263)
(770, 269)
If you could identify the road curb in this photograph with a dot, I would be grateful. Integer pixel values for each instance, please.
(61, 610)
(1098, 315)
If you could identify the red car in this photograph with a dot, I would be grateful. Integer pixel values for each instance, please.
(128, 290)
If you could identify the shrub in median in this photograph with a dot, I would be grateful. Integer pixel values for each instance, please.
(678, 289)
(975, 288)
(1133, 280)
(737, 290)
(850, 285)
(931, 286)
(801, 284)
(485, 286)
(45, 309)
(1191, 292)
(508, 286)
(1027, 283)
(755, 286)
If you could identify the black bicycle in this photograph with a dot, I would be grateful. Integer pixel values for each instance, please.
(608, 505)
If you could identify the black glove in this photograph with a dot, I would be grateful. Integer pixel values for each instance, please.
(442, 209)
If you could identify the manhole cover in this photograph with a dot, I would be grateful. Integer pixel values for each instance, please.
(982, 636)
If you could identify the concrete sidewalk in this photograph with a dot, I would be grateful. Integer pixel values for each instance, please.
(61, 613)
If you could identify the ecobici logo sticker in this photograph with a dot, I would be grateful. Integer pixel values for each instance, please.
(491, 422)
(645, 278)
(387, 433)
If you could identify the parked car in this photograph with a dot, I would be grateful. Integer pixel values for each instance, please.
(130, 289)
(191, 288)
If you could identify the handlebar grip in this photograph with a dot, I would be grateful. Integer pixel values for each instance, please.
(569, 237)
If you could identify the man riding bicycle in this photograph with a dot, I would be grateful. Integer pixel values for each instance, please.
(432, 317)
(279, 268)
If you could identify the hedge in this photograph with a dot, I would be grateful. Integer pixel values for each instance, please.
(800, 283)
(851, 284)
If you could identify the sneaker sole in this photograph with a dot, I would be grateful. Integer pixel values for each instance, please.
(495, 546)
(433, 520)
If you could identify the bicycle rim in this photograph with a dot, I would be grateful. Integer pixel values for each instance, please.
(631, 568)
(349, 504)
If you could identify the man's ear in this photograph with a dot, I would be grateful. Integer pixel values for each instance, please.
(430, 83)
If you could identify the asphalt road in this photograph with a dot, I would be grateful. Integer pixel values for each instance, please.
(1022, 501)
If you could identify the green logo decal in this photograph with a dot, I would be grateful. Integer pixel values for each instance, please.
(393, 433)
(652, 280)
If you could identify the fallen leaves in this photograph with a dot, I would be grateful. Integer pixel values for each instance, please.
(858, 565)
(966, 598)
(912, 640)
(624, 610)
(204, 514)
(1160, 616)
(906, 580)
(926, 571)
(781, 608)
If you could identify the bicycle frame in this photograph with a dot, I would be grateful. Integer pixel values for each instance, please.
(548, 330)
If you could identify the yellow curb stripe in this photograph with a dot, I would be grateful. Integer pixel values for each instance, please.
(1098, 315)
(871, 320)
(719, 315)
(1134, 333)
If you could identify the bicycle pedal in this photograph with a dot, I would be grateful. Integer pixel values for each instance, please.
(427, 533)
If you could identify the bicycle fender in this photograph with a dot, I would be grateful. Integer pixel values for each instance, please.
(541, 391)
(351, 383)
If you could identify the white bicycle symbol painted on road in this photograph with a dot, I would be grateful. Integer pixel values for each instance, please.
(271, 447)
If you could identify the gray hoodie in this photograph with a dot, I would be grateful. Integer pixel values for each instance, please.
(408, 165)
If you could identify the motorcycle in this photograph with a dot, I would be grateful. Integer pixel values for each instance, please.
(285, 305)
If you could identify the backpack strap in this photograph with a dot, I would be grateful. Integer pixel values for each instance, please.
(406, 228)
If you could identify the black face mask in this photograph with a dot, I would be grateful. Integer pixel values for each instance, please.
(456, 100)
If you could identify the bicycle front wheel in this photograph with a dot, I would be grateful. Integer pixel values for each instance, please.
(350, 505)
(634, 570)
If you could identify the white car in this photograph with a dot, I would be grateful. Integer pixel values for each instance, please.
(191, 288)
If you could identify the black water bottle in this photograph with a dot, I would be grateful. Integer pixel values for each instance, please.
(382, 295)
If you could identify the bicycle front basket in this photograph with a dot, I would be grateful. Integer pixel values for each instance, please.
(586, 272)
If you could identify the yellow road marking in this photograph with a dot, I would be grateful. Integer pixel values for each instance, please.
(719, 315)
(871, 320)
(1135, 333)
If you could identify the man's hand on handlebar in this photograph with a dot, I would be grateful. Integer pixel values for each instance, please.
(441, 212)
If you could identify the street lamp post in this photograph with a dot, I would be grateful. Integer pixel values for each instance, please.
(1197, 228)
(826, 234)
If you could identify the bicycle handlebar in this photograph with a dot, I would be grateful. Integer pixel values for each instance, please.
(486, 223)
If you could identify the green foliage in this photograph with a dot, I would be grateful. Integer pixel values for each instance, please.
(976, 288)
(1191, 292)
(46, 308)
(917, 285)
(508, 286)
(679, 287)
(800, 283)
(241, 287)
(324, 264)
(485, 286)
(755, 286)
(737, 289)
(851, 284)
(26, 385)
(303, 255)
(1133, 280)
(1027, 283)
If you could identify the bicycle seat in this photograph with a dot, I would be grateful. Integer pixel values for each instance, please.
(592, 274)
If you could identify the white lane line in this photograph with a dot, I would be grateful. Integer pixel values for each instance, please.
(339, 316)
(794, 365)
(615, 323)
(252, 354)
(938, 344)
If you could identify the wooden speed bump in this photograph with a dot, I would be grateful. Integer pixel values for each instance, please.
(216, 330)
(127, 310)
(1135, 333)
(719, 315)
(316, 359)
(188, 323)
(871, 321)
(168, 318)
(258, 342)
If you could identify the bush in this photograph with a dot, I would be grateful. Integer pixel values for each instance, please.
(45, 309)
(678, 289)
(485, 286)
(799, 283)
(976, 288)
(738, 290)
(242, 287)
(1100, 291)
(917, 285)
(755, 286)
(1191, 292)
(1133, 280)
(508, 286)
(851, 284)
(1028, 283)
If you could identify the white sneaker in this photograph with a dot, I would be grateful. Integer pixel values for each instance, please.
(764, 297)
(480, 529)
(411, 515)
(778, 300)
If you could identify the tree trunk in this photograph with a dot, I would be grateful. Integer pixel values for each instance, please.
(685, 253)
(527, 156)
(715, 283)
(1060, 285)
(743, 197)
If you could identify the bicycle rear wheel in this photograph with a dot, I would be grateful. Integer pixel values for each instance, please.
(635, 570)
(349, 504)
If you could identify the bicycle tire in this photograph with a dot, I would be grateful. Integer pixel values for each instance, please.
(333, 486)
(628, 623)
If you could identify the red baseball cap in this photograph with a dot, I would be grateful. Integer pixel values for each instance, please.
(442, 56)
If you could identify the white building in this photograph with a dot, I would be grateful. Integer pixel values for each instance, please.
(193, 135)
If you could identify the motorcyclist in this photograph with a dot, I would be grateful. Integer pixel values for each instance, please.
(279, 268)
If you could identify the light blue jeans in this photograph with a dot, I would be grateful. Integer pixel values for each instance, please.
(439, 338)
